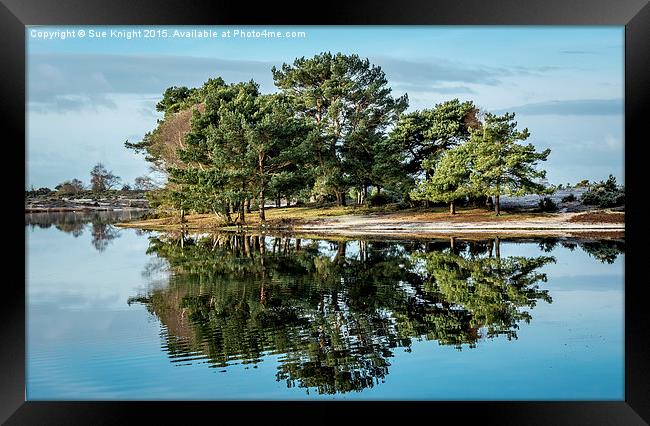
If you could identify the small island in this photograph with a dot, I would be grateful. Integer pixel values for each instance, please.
(334, 152)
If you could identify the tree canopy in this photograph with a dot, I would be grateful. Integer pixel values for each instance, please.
(348, 102)
(333, 130)
(502, 166)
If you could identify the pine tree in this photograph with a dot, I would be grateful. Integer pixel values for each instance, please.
(343, 97)
(219, 168)
(502, 166)
(450, 180)
(276, 141)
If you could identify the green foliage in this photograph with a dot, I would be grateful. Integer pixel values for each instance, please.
(547, 204)
(381, 199)
(423, 134)
(605, 194)
(325, 135)
(176, 98)
(568, 198)
(348, 103)
(73, 186)
(451, 178)
(501, 165)
(217, 169)
(492, 162)
(278, 145)
(40, 191)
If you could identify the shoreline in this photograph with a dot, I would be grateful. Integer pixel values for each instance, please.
(410, 224)
(80, 209)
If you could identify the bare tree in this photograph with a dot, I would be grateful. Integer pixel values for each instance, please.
(102, 179)
(144, 183)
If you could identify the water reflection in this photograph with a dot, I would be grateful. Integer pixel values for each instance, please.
(75, 223)
(606, 251)
(335, 311)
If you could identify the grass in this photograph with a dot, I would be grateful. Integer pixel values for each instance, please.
(289, 217)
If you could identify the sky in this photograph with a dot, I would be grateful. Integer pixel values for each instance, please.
(87, 95)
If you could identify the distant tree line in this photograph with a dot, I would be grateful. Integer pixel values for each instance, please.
(101, 180)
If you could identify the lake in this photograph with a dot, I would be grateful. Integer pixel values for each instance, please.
(124, 314)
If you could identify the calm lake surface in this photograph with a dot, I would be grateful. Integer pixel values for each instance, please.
(126, 314)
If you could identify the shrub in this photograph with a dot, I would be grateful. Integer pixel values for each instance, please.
(569, 198)
(381, 199)
(605, 194)
(546, 204)
(73, 186)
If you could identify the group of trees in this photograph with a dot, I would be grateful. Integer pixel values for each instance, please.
(490, 162)
(605, 193)
(99, 223)
(101, 180)
(333, 129)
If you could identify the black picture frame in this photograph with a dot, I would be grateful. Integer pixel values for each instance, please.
(634, 14)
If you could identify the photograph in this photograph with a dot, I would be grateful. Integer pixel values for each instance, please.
(428, 212)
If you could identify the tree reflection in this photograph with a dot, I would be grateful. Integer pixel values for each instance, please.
(335, 311)
(102, 235)
(605, 251)
(75, 223)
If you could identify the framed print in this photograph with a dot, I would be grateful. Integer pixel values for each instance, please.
(377, 209)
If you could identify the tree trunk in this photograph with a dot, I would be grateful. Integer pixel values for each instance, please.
(248, 205)
(339, 258)
(497, 206)
(242, 213)
(278, 202)
(452, 244)
(343, 201)
(262, 208)
(182, 215)
(452, 208)
(247, 246)
(262, 294)
(497, 247)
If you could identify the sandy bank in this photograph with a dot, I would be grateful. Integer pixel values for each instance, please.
(407, 223)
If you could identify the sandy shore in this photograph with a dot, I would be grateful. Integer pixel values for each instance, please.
(411, 223)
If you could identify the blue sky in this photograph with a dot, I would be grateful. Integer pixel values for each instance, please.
(86, 96)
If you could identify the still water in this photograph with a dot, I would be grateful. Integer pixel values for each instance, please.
(132, 315)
